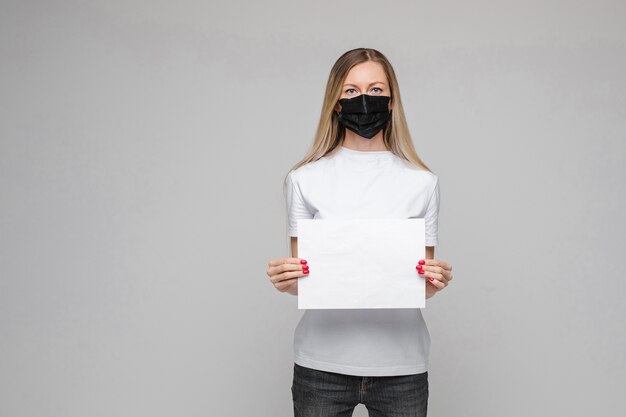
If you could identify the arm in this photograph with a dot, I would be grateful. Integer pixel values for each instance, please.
(437, 272)
(294, 246)
(430, 252)
(293, 289)
(284, 272)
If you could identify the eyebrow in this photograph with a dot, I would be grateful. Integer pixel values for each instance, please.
(375, 82)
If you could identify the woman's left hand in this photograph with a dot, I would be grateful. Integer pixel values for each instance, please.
(438, 274)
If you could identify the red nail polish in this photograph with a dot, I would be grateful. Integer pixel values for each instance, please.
(419, 271)
(306, 271)
(418, 267)
(302, 261)
(422, 262)
(305, 268)
(431, 279)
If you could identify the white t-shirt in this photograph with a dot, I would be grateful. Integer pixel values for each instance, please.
(363, 184)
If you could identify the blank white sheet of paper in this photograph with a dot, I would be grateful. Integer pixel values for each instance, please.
(361, 263)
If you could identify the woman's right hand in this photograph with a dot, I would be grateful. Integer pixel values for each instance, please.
(284, 273)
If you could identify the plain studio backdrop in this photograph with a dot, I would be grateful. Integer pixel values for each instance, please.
(143, 149)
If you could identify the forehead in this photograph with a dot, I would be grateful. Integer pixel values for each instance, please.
(366, 73)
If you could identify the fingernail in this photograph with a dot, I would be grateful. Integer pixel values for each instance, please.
(302, 261)
(306, 271)
(431, 279)
(418, 267)
(422, 262)
(305, 267)
(419, 271)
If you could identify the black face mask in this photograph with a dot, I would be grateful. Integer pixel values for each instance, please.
(365, 115)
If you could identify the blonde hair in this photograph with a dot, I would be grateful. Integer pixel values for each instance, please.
(330, 133)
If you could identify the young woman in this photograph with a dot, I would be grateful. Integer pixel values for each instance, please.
(362, 165)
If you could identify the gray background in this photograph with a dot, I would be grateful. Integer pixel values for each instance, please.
(143, 147)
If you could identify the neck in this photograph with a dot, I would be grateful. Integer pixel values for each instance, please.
(358, 143)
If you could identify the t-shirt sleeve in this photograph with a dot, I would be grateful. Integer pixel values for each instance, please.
(432, 215)
(296, 207)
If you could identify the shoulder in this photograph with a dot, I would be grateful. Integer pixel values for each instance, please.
(418, 174)
(308, 171)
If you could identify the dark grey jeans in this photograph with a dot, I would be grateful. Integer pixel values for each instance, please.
(318, 393)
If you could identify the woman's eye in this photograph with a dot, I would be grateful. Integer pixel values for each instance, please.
(376, 88)
(350, 89)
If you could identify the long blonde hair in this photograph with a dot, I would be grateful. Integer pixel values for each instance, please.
(330, 133)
